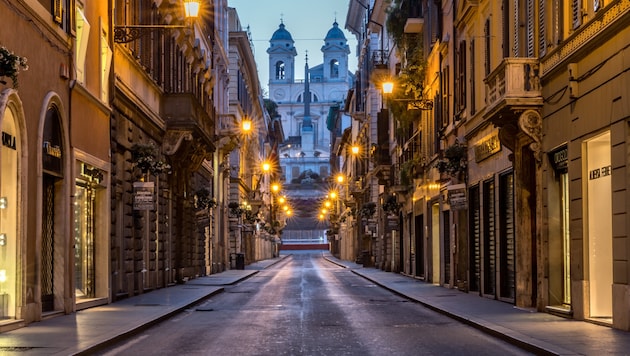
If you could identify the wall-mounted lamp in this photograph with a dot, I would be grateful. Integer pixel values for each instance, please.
(388, 87)
(3, 202)
(126, 34)
(3, 239)
(421, 104)
(246, 125)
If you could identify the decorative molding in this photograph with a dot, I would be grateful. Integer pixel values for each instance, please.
(585, 34)
(173, 140)
(530, 122)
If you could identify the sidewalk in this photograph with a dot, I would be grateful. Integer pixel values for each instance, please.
(83, 332)
(538, 332)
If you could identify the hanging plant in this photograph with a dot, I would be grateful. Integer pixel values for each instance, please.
(144, 156)
(249, 217)
(391, 206)
(203, 200)
(235, 209)
(454, 161)
(10, 65)
(368, 210)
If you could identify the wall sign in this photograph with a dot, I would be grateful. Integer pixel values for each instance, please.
(559, 158)
(8, 140)
(457, 197)
(600, 172)
(143, 196)
(486, 147)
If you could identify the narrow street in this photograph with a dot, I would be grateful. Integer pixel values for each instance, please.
(306, 305)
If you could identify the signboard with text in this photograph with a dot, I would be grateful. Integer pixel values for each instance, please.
(457, 197)
(143, 196)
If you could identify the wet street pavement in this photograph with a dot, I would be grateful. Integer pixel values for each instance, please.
(306, 305)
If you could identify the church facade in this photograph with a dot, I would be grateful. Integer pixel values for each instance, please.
(305, 154)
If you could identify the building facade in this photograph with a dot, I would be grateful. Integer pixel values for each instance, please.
(114, 179)
(304, 155)
(54, 188)
(520, 124)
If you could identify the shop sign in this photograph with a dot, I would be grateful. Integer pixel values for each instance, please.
(143, 196)
(486, 147)
(559, 158)
(600, 172)
(8, 140)
(457, 197)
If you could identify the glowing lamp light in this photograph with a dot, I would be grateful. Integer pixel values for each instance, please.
(266, 166)
(3, 202)
(388, 87)
(3, 239)
(355, 150)
(275, 187)
(3, 275)
(340, 178)
(191, 8)
(246, 125)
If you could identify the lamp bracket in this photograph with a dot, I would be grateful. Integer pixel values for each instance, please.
(126, 34)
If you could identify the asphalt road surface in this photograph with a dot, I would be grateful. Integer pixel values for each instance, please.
(306, 305)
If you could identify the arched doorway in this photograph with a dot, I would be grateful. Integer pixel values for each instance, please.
(51, 238)
(10, 203)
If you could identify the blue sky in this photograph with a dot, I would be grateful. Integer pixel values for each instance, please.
(308, 22)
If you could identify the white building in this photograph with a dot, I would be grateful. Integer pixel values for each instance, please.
(307, 147)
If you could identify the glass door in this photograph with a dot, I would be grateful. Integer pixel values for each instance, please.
(84, 268)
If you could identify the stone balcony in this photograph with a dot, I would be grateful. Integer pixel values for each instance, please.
(513, 87)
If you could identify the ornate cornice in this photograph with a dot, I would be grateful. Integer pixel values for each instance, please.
(585, 34)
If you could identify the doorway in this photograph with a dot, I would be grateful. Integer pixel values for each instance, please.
(435, 243)
(599, 225)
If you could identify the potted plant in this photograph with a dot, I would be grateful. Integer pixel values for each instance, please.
(368, 210)
(391, 206)
(144, 156)
(454, 161)
(10, 65)
(203, 200)
(235, 209)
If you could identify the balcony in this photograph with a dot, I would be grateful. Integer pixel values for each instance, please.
(186, 120)
(183, 111)
(415, 21)
(514, 86)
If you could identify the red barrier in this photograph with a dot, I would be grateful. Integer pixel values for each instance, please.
(292, 247)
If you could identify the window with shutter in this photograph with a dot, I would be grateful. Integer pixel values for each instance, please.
(58, 11)
(576, 13)
(542, 27)
(505, 24)
(516, 27)
(530, 28)
(460, 88)
(472, 77)
(445, 96)
(486, 57)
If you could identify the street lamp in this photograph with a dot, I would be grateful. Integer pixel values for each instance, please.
(246, 125)
(422, 104)
(130, 33)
